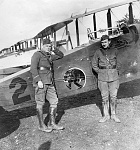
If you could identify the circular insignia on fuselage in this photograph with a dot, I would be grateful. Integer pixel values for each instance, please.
(75, 78)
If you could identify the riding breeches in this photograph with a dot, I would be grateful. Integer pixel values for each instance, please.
(49, 93)
(108, 89)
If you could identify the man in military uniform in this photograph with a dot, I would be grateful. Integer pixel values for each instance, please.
(41, 69)
(104, 62)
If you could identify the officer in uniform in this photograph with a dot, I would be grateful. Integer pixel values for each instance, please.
(42, 73)
(104, 62)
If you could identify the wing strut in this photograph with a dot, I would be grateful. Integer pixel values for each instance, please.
(94, 23)
(109, 21)
(77, 32)
(131, 18)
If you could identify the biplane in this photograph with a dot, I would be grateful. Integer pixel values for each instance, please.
(73, 74)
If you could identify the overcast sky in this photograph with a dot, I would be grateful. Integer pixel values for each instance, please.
(23, 19)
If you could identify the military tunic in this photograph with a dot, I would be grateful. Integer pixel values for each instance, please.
(104, 62)
(42, 70)
(43, 59)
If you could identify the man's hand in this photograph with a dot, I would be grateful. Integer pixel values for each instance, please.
(40, 84)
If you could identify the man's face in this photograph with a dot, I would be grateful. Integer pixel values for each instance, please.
(47, 47)
(105, 43)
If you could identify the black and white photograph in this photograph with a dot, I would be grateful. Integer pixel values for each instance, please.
(70, 75)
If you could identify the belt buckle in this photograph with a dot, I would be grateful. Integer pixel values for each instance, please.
(41, 68)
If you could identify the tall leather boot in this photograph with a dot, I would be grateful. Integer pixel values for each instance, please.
(42, 126)
(52, 123)
(113, 111)
(106, 112)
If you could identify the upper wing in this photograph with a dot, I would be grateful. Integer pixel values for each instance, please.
(52, 28)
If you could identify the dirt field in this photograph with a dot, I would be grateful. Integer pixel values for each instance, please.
(79, 115)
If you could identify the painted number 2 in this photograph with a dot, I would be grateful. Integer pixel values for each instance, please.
(19, 91)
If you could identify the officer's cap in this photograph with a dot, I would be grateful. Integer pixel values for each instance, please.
(104, 37)
(46, 41)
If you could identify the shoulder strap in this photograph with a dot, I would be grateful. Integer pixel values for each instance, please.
(105, 56)
(45, 54)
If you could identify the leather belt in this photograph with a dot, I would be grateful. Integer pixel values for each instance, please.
(107, 67)
(44, 68)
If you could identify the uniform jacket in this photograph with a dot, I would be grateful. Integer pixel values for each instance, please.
(43, 59)
(106, 58)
